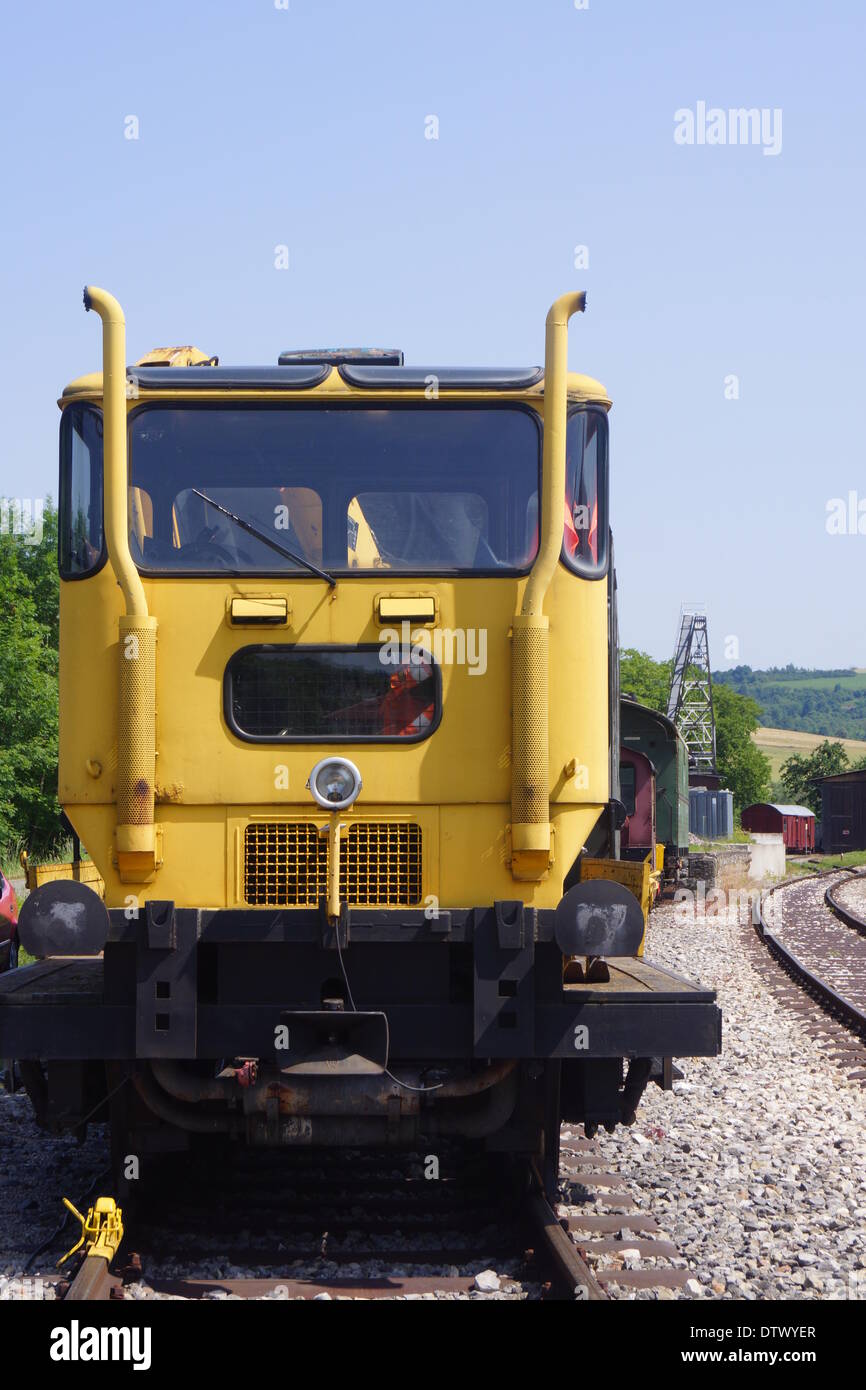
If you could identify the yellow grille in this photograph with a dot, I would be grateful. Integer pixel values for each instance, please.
(286, 865)
(380, 864)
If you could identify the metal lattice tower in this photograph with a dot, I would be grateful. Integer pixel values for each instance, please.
(690, 703)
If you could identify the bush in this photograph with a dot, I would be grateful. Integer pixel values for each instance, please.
(29, 812)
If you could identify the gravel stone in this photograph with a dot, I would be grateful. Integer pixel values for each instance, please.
(757, 1168)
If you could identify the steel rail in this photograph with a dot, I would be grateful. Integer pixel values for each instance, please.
(834, 1002)
(574, 1274)
(92, 1282)
(850, 919)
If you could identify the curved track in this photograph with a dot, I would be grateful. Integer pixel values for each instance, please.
(848, 900)
(819, 946)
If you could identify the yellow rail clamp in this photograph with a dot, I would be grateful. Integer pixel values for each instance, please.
(101, 1229)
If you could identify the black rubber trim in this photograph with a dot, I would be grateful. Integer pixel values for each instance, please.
(290, 378)
(447, 378)
(346, 741)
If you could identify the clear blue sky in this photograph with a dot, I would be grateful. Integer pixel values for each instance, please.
(306, 127)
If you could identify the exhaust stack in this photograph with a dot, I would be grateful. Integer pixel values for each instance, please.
(530, 759)
(135, 836)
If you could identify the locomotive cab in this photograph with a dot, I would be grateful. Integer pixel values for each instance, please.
(337, 660)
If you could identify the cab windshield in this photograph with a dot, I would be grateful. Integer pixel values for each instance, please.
(262, 490)
(425, 489)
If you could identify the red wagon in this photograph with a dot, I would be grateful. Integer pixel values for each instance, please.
(796, 824)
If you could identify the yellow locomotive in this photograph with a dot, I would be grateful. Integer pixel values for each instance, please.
(339, 720)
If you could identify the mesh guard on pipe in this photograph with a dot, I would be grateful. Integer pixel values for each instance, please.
(530, 830)
(135, 840)
(136, 736)
(530, 762)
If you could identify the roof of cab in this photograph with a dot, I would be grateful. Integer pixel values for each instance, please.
(526, 383)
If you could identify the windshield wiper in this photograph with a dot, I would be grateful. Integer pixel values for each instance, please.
(265, 538)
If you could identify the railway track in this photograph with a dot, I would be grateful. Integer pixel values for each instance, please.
(815, 958)
(368, 1226)
(846, 898)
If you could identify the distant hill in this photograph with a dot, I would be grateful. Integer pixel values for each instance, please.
(832, 703)
(780, 744)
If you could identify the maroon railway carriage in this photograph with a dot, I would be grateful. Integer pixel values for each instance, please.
(637, 779)
(796, 824)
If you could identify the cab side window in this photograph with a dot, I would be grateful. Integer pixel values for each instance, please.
(584, 542)
(81, 548)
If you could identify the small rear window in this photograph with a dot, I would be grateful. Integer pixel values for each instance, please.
(627, 787)
(283, 694)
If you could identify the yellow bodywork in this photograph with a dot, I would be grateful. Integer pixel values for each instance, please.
(81, 871)
(209, 785)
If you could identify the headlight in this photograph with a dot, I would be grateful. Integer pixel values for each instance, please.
(335, 783)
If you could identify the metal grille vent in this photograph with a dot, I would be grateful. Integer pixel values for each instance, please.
(286, 864)
(381, 864)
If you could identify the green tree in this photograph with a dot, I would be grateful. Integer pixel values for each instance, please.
(28, 694)
(38, 563)
(744, 769)
(799, 773)
(648, 680)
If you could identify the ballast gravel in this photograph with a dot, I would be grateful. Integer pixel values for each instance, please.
(754, 1167)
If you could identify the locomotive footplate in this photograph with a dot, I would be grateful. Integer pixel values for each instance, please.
(72, 1008)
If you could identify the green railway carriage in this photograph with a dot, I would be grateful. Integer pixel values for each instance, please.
(650, 732)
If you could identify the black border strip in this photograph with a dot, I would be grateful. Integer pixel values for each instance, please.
(288, 378)
(381, 378)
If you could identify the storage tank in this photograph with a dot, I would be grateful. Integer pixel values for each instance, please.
(711, 813)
